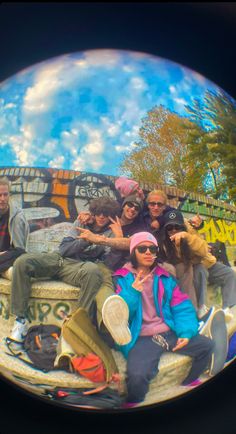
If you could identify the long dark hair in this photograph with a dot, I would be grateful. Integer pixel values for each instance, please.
(167, 249)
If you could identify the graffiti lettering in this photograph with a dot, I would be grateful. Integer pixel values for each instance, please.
(38, 311)
(92, 192)
(219, 230)
(60, 308)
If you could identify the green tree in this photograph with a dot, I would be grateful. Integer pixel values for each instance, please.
(216, 116)
(162, 154)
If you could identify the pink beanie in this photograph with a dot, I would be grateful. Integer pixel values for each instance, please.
(126, 186)
(138, 238)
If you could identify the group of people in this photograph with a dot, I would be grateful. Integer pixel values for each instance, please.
(142, 270)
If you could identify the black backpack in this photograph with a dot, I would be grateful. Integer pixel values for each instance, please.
(40, 345)
(104, 399)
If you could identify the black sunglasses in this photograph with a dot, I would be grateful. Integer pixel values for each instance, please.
(143, 249)
(160, 204)
(132, 205)
(176, 227)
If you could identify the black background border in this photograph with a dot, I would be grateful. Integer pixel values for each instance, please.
(200, 36)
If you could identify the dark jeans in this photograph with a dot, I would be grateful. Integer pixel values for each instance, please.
(8, 258)
(144, 357)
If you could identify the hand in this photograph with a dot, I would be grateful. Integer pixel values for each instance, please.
(155, 224)
(116, 228)
(1, 253)
(196, 221)
(210, 249)
(138, 282)
(176, 238)
(181, 342)
(85, 217)
(87, 235)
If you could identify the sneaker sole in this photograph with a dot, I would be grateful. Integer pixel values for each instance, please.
(115, 314)
(218, 333)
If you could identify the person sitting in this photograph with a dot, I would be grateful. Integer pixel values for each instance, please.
(184, 250)
(150, 308)
(14, 228)
(76, 262)
(153, 214)
(123, 228)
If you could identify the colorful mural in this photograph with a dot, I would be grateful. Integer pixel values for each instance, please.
(50, 196)
(219, 230)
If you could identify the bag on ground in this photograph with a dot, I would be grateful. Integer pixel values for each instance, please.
(105, 399)
(94, 358)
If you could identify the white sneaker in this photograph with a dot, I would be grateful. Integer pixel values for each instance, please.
(228, 314)
(202, 311)
(19, 330)
(115, 315)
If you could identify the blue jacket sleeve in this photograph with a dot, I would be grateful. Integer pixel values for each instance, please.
(125, 290)
(184, 314)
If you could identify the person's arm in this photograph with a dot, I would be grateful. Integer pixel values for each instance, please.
(125, 289)
(119, 243)
(197, 244)
(71, 246)
(20, 231)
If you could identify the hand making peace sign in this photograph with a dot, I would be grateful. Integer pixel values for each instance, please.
(116, 228)
(138, 282)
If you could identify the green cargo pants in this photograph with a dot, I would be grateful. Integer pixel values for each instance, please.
(85, 275)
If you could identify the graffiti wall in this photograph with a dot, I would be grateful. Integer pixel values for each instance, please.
(51, 196)
(219, 230)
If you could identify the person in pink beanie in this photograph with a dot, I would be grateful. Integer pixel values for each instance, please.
(126, 187)
(152, 315)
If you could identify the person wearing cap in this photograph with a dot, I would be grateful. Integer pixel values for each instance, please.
(195, 265)
(150, 315)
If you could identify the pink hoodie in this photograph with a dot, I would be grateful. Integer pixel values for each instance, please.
(151, 324)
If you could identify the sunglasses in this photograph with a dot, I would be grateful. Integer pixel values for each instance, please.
(132, 205)
(159, 204)
(174, 227)
(143, 249)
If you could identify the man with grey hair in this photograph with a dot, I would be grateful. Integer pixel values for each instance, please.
(14, 229)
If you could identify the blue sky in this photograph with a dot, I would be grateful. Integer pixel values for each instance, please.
(82, 111)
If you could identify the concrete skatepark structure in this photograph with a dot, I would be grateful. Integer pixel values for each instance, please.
(51, 200)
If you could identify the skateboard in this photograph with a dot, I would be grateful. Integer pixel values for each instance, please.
(217, 331)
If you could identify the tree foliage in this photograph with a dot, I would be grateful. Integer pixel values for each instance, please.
(216, 116)
(196, 153)
(162, 154)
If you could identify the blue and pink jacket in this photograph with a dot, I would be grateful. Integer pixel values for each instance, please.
(172, 305)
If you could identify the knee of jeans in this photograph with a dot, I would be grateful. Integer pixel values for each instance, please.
(21, 261)
(92, 270)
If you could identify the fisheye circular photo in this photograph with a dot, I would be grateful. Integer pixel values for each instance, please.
(117, 230)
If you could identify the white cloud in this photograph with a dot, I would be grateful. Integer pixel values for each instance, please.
(137, 83)
(39, 97)
(180, 101)
(57, 162)
(172, 89)
(10, 105)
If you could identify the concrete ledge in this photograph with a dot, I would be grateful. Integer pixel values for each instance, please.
(48, 298)
(173, 369)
